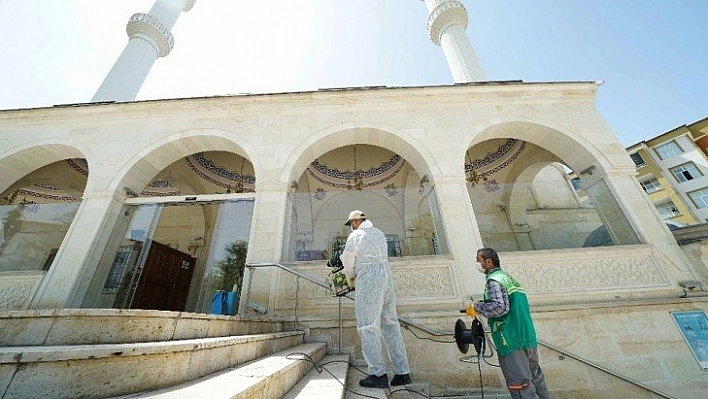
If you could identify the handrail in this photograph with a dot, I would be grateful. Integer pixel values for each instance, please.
(438, 333)
(289, 270)
(606, 370)
(325, 286)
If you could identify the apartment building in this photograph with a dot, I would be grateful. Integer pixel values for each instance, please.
(672, 168)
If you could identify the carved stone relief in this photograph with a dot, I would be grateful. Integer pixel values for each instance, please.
(15, 293)
(587, 274)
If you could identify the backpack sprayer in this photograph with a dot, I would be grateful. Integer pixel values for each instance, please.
(337, 280)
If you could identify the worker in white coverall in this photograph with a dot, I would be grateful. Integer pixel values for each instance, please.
(365, 260)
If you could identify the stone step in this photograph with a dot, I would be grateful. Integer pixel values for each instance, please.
(327, 380)
(268, 377)
(106, 326)
(118, 369)
(354, 391)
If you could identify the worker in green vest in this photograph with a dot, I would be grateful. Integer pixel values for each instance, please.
(507, 310)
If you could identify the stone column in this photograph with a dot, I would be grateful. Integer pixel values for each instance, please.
(66, 282)
(266, 243)
(463, 237)
(150, 38)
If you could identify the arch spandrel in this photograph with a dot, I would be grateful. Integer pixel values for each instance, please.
(575, 151)
(21, 162)
(144, 166)
(397, 141)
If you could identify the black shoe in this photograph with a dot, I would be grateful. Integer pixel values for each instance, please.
(373, 381)
(401, 379)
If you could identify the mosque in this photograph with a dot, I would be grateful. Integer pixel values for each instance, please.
(154, 219)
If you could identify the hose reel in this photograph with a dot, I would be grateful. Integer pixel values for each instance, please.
(474, 335)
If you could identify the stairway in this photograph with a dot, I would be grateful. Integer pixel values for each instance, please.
(154, 354)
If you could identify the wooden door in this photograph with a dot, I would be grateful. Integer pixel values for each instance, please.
(165, 279)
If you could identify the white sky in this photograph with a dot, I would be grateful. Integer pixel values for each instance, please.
(652, 54)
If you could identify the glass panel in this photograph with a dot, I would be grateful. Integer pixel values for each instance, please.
(176, 256)
(686, 172)
(226, 257)
(668, 209)
(128, 259)
(544, 215)
(700, 198)
(31, 233)
(651, 185)
(668, 150)
(525, 198)
(616, 224)
(406, 218)
(380, 183)
(638, 160)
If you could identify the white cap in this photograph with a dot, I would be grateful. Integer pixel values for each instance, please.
(353, 215)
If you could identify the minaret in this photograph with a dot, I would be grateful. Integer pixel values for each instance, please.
(149, 38)
(446, 25)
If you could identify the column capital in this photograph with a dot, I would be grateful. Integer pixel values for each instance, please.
(448, 13)
(141, 24)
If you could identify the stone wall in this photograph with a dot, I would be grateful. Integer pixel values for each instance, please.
(618, 343)
(608, 306)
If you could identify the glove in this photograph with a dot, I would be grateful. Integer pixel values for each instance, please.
(470, 311)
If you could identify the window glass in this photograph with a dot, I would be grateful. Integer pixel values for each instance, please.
(36, 212)
(521, 204)
(638, 160)
(651, 185)
(156, 261)
(668, 150)
(383, 185)
(700, 197)
(686, 172)
(31, 233)
(668, 209)
(577, 184)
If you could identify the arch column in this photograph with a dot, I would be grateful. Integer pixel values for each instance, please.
(265, 243)
(67, 281)
(462, 231)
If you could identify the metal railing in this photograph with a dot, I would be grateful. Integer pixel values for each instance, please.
(603, 369)
(298, 275)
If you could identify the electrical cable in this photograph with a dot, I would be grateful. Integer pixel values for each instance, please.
(408, 328)
(481, 355)
(479, 369)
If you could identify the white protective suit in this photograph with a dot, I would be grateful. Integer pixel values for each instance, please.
(365, 258)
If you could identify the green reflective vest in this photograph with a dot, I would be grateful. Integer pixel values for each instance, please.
(514, 330)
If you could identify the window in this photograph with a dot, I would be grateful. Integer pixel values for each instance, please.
(668, 210)
(700, 197)
(394, 245)
(668, 150)
(638, 160)
(119, 264)
(686, 172)
(651, 185)
(577, 185)
(50, 259)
